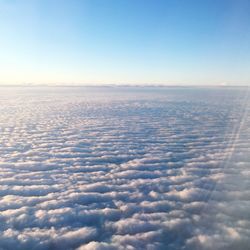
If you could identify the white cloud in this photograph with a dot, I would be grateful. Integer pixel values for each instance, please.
(105, 173)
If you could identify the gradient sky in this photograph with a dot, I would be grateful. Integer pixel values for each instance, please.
(125, 41)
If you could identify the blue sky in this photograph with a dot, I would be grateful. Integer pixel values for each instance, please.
(125, 41)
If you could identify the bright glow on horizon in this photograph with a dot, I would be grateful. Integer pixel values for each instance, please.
(125, 42)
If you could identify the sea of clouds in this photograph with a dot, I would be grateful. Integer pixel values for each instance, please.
(124, 168)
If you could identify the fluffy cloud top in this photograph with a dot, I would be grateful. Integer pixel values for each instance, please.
(166, 169)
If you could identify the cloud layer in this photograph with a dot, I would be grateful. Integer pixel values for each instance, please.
(124, 169)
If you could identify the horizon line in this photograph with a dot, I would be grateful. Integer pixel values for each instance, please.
(121, 85)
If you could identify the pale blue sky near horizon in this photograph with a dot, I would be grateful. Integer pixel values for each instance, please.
(125, 42)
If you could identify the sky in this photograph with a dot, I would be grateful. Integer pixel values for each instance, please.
(125, 42)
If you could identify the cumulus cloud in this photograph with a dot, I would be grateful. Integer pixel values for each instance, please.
(83, 170)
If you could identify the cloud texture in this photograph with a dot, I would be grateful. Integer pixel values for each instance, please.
(123, 168)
